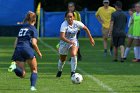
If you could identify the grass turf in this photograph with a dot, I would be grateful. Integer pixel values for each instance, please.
(101, 75)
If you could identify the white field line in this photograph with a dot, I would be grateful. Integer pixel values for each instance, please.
(99, 82)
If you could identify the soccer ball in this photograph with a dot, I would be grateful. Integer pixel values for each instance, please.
(76, 78)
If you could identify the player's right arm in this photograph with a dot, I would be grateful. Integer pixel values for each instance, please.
(62, 37)
(15, 43)
(111, 25)
(35, 46)
(98, 16)
(63, 30)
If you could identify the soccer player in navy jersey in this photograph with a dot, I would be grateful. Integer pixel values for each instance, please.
(25, 44)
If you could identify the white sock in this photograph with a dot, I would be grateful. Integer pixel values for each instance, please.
(136, 52)
(139, 52)
(126, 52)
(73, 63)
(60, 65)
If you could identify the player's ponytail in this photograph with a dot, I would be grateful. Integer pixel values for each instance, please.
(30, 17)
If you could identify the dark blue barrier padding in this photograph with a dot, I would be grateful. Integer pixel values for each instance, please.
(53, 21)
(13, 11)
(93, 24)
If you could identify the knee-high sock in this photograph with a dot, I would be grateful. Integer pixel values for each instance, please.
(18, 71)
(139, 52)
(73, 63)
(126, 52)
(33, 79)
(60, 65)
(136, 53)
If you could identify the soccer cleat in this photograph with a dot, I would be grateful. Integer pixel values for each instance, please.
(33, 88)
(72, 73)
(111, 52)
(136, 60)
(115, 60)
(105, 52)
(12, 67)
(79, 58)
(59, 73)
(122, 60)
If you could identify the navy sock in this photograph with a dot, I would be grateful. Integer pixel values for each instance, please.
(33, 79)
(18, 71)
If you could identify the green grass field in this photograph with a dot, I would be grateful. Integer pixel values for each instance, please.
(100, 74)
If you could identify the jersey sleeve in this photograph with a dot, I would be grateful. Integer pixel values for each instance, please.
(113, 9)
(34, 33)
(97, 13)
(63, 27)
(80, 24)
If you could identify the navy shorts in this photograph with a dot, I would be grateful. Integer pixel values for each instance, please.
(118, 41)
(23, 53)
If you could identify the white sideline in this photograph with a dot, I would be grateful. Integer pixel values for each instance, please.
(99, 82)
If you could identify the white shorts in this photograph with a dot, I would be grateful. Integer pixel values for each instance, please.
(64, 47)
(136, 37)
(130, 36)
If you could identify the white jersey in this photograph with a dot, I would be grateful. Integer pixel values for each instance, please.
(71, 34)
(71, 31)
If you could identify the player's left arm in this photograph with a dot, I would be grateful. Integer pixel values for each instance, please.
(111, 25)
(35, 46)
(111, 28)
(89, 35)
(15, 43)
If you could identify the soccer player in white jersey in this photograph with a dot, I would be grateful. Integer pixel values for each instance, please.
(68, 32)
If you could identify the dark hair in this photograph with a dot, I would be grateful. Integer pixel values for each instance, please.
(132, 9)
(137, 3)
(30, 17)
(71, 3)
(69, 12)
(118, 4)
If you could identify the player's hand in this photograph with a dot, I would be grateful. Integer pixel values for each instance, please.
(92, 41)
(40, 55)
(109, 34)
(72, 43)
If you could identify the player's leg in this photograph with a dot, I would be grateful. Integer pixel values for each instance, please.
(115, 44)
(18, 68)
(115, 54)
(105, 37)
(111, 46)
(129, 43)
(139, 50)
(73, 53)
(121, 43)
(33, 67)
(136, 50)
(79, 53)
(61, 64)
(63, 50)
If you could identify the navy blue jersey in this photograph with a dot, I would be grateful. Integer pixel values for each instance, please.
(24, 50)
(26, 33)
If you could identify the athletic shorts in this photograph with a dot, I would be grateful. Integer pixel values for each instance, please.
(105, 32)
(118, 41)
(23, 53)
(64, 47)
